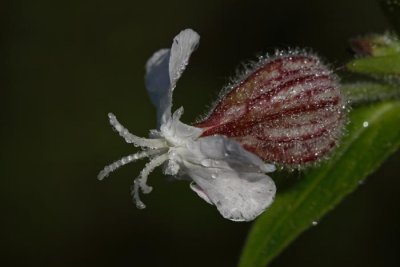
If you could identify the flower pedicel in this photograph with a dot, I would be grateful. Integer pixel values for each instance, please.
(288, 110)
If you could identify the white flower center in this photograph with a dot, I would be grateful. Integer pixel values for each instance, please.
(163, 146)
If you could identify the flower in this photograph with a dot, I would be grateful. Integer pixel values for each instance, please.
(222, 172)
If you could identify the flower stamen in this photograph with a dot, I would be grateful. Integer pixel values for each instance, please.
(141, 180)
(127, 159)
(133, 139)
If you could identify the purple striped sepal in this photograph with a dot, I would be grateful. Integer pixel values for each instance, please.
(288, 110)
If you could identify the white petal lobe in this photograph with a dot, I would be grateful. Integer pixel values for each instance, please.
(229, 177)
(164, 69)
(183, 46)
(238, 196)
(158, 83)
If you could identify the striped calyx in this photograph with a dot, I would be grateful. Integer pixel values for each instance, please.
(288, 110)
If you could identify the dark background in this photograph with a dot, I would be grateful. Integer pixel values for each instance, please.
(68, 63)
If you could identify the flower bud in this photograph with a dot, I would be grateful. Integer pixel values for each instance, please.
(287, 109)
(376, 45)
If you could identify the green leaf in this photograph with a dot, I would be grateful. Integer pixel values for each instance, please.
(382, 65)
(362, 150)
(391, 8)
(367, 92)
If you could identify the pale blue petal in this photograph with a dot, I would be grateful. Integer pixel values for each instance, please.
(164, 69)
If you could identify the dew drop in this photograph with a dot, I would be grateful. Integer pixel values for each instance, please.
(314, 223)
(206, 162)
(365, 124)
(114, 166)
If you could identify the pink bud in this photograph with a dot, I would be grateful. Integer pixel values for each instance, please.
(288, 110)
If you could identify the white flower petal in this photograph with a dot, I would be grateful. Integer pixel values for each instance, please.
(183, 46)
(229, 177)
(164, 69)
(200, 192)
(158, 82)
(238, 196)
(220, 152)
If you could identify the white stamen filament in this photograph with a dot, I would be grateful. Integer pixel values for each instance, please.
(125, 160)
(133, 139)
(141, 181)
